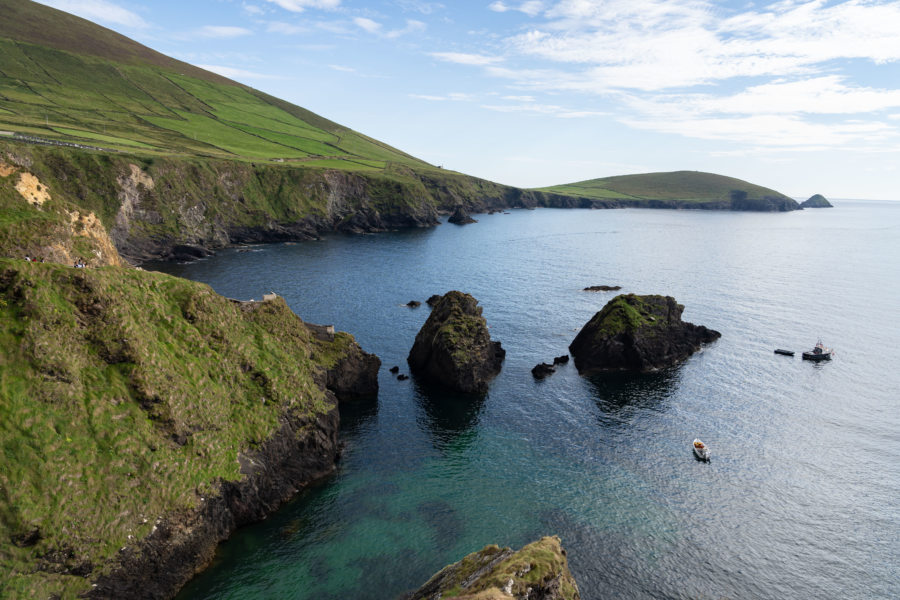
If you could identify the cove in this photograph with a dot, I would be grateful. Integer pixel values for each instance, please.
(798, 500)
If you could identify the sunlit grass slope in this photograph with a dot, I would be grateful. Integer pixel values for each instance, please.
(125, 395)
(686, 186)
(65, 78)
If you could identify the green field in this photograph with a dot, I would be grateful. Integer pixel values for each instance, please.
(682, 186)
(140, 99)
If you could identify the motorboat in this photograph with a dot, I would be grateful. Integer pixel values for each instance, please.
(701, 450)
(784, 352)
(820, 352)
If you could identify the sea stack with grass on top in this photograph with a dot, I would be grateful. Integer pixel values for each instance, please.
(637, 333)
(454, 348)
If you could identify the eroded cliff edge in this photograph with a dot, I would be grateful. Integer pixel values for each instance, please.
(145, 417)
(152, 207)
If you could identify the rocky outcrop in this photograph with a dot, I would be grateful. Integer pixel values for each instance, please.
(303, 450)
(461, 216)
(454, 348)
(433, 299)
(603, 288)
(637, 333)
(542, 370)
(539, 571)
(355, 374)
(816, 201)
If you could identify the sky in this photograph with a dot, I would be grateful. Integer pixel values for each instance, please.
(799, 96)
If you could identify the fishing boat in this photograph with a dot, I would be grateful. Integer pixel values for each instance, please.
(820, 352)
(701, 450)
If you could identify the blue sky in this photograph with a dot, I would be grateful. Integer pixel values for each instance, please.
(800, 96)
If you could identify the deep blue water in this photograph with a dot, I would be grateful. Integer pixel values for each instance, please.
(800, 500)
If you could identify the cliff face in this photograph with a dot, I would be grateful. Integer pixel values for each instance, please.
(178, 207)
(539, 571)
(145, 418)
(637, 333)
(454, 347)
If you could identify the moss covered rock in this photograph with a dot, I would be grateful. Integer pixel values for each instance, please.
(454, 348)
(143, 418)
(637, 333)
(540, 570)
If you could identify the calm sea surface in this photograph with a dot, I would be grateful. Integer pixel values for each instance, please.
(801, 498)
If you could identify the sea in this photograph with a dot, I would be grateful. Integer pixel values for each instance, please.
(801, 497)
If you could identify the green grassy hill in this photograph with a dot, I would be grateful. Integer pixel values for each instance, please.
(126, 397)
(65, 78)
(685, 187)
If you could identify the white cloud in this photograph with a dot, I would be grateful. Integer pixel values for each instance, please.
(376, 28)
(99, 10)
(301, 5)
(223, 31)
(234, 73)
(286, 28)
(454, 96)
(660, 44)
(425, 8)
(342, 68)
(519, 98)
(252, 9)
(412, 26)
(461, 58)
(530, 7)
(543, 109)
(367, 24)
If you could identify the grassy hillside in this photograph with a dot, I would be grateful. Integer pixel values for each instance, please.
(65, 78)
(127, 395)
(684, 186)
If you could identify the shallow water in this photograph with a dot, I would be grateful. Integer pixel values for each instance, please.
(800, 499)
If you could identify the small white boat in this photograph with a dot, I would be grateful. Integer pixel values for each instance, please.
(701, 450)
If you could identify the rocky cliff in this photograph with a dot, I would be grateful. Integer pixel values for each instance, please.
(454, 348)
(145, 418)
(637, 333)
(539, 571)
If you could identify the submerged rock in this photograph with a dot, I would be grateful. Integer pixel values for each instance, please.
(637, 333)
(454, 348)
(413, 304)
(539, 571)
(816, 201)
(603, 288)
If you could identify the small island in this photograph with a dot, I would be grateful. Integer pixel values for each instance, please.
(637, 333)
(816, 201)
(454, 348)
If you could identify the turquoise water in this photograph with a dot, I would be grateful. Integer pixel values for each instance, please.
(800, 499)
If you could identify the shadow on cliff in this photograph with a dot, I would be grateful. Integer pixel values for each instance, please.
(620, 396)
(446, 415)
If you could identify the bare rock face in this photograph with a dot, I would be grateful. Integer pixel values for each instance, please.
(637, 333)
(454, 348)
(355, 375)
(539, 571)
